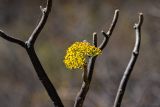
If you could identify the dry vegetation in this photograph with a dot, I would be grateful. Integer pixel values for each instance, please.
(70, 21)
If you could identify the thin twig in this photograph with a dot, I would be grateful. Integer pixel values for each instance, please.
(90, 66)
(134, 56)
(110, 31)
(95, 39)
(84, 89)
(38, 29)
(103, 44)
(11, 39)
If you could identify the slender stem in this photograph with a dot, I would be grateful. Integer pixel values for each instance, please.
(40, 26)
(81, 95)
(128, 71)
(84, 75)
(84, 89)
(110, 31)
(95, 39)
(90, 66)
(43, 77)
(11, 39)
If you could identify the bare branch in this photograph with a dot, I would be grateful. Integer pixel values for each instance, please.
(114, 21)
(85, 84)
(81, 95)
(84, 75)
(35, 61)
(44, 78)
(90, 66)
(95, 39)
(29, 46)
(128, 71)
(38, 29)
(110, 31)
(11, 39)
(137, 28)
(104, 43)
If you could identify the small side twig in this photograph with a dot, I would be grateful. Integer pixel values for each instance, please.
(11, 39)
(110, 31)
(134, 56)
(90, 66)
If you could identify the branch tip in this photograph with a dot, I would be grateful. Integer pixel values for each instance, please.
(140, 21)
(94, 33)
(45, 13)
(95, 39)
(40, 7)
(43, 9)
(114, 21)
(117, 11)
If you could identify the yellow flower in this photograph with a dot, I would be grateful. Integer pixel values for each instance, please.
(77, 53)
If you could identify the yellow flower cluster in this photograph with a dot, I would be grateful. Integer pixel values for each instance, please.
(77, 53)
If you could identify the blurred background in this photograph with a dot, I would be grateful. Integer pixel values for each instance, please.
(76, 20)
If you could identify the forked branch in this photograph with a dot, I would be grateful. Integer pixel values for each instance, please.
(134, 56)
(110, 31)
(29, 46)
(90, 66)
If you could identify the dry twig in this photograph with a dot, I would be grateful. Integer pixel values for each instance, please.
(128, 71)
(90, 66)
